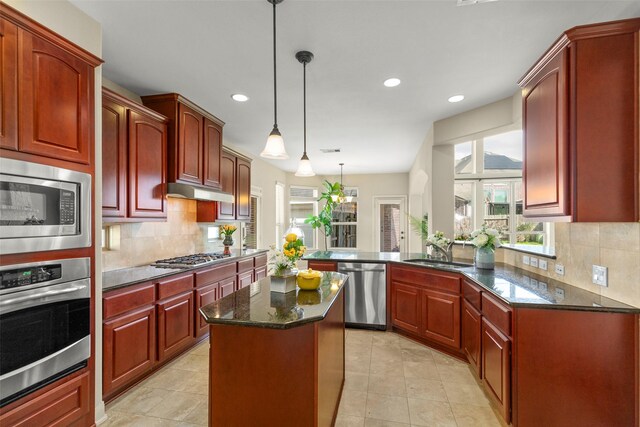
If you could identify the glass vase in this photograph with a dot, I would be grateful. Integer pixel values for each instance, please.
(227, 242)
(485, 258)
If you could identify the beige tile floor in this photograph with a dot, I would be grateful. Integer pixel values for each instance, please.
(390, 381)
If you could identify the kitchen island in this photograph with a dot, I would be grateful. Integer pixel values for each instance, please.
(277, 359)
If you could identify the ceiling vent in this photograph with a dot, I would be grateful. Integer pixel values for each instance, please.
(329, 150)
(470, 2)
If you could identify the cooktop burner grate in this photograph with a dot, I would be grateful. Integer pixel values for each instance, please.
(195, 260)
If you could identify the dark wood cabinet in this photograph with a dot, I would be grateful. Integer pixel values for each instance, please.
(128, 348)
(471, 336)
(147, 166)
(405, 308)
(583, 91)
(227, 287)
(496, 367)
(9, 82)
(227, 210)
(175, 324)
(245, 279)
(204, 296)
(260, 273)
(441, 317)
(322, 265)
(133, 160)
(195, 140)
(243, 189)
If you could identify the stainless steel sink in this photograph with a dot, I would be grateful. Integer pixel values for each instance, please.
(437, 263)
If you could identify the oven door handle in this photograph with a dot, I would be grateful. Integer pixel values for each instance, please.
(41, 295)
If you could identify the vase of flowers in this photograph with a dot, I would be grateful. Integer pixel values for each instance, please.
(228, 231)
(441, 244)
(486, 240)
(283, 262)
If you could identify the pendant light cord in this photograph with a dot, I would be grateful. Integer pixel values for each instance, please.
(275, 84)
(304, 103)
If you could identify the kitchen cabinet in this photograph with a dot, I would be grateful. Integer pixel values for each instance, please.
(260, 273)
(209, 288)
(496, 367)
(243, 189)
(175, 325)
(133, 161)
(441, 317)
(583, 91)
(322, 265)
(245, 279)
(227, 210)
(405, 309)
(227, 287)
(204, 296)
(194, 142)
(471, 336)
(47, 103)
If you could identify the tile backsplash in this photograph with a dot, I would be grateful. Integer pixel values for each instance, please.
(581, 245)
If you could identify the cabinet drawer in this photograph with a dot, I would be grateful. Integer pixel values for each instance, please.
(322, 265)
(443, 281)
(472, 293)
(123, 300)
(245, 265)
(215, 274)
(497, 313)
(174, 286)
(260, 260)
(413, 275)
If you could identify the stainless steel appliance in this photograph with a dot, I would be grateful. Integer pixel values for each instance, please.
(44, 324)
(365, 294)
(43, 207)
(187, 261)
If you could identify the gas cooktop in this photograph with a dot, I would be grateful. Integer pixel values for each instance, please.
(195, 260)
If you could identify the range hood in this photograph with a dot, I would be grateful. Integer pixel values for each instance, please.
(186, 191)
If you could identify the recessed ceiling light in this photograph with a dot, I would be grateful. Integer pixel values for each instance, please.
(456, 98)
(392, 82)
(239, 97)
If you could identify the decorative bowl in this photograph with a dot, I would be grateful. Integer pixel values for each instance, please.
(309, 280)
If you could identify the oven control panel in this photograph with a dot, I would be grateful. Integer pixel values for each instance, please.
(30, 275)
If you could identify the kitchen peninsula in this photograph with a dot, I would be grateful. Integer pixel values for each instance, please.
(277, 357)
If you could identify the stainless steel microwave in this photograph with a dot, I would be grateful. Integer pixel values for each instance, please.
(43, 208)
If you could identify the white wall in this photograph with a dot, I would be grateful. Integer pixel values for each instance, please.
(74, 25)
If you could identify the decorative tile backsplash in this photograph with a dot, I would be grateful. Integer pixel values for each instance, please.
(581, 245)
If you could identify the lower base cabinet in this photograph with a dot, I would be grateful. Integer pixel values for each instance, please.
(260, 273)
(227, 287)
(204, 296)
(405, 308)
(441, 317)
(175, 324)
(496, 367)
(245, 279)
(471, 336)
(64, 405)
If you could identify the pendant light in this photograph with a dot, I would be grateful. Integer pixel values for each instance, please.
(341, 198)
(304, 167)
(274, 149)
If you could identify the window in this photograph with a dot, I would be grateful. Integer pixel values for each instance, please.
(279, 214)
(251, 227)
(344, 224)
(303, 202)
(488, 189)
(105, 238)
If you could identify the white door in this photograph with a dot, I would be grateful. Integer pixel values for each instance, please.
(390, 224)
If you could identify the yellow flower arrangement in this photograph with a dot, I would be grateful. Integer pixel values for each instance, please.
(228, 229)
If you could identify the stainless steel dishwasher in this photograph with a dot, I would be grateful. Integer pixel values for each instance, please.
(365, 294)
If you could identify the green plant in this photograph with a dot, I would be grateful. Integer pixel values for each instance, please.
(325, 216)
(420, 226)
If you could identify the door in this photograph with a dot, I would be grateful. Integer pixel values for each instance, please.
(245, 279)
(175, 325)
(227, 210)
(9, 85)
(243, 190)
(227, 287)
(405, 308)
(189, 167)
(114, 159)
(212, 152)
(471, 335)
(441, 317)
(204, 296)
(390, 224)
(496, 367)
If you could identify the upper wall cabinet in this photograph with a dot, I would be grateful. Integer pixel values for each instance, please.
(195, 140)
(580, 118)
(47, 101)
(134, 161)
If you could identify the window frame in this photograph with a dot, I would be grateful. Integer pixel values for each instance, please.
(348, 190)
(299, 200)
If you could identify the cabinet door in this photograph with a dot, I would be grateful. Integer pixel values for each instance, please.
(228, 184)
(175, 325)
(212, 153)
(441, 317)
(322, 265)
(189, 161)
(227, 287)
(405, 308)
(204, 296)
(114, 159)
(243, 190)
(471, 334)
(260, 272)
(128, 348)
(496, 367)
(56, 101)
(545, 173)
(147, 166)
(9, 85)
(245, 279)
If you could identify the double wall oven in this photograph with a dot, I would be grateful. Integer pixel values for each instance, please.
(45, 314)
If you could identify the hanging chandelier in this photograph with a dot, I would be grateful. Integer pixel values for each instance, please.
(274, 149)
(304, 167)
(341, 198)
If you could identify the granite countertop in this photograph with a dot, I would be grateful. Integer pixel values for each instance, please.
(514, 286)
(124, 277)
(255, 305)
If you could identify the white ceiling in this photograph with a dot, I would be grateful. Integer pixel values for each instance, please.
(208, 50)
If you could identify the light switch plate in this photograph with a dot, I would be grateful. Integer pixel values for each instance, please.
(559, 293)
(525, 259)
(534, 262)
(560, 269)
(542, 264)
(599, 274)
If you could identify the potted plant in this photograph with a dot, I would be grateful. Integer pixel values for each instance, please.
(228, 231)
(324, 218)
(486, 240)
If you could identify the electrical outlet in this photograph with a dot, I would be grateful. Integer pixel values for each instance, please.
(534, 262)
(599, 274)
(559, 293)
(525, 259)
(542, 264)
(560, 269)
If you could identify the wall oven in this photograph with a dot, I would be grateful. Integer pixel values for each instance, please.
(43, 207)
(44, 324)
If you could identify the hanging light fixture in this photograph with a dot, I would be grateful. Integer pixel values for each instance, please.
(274, 149)
(304, 167)
(341, 198)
